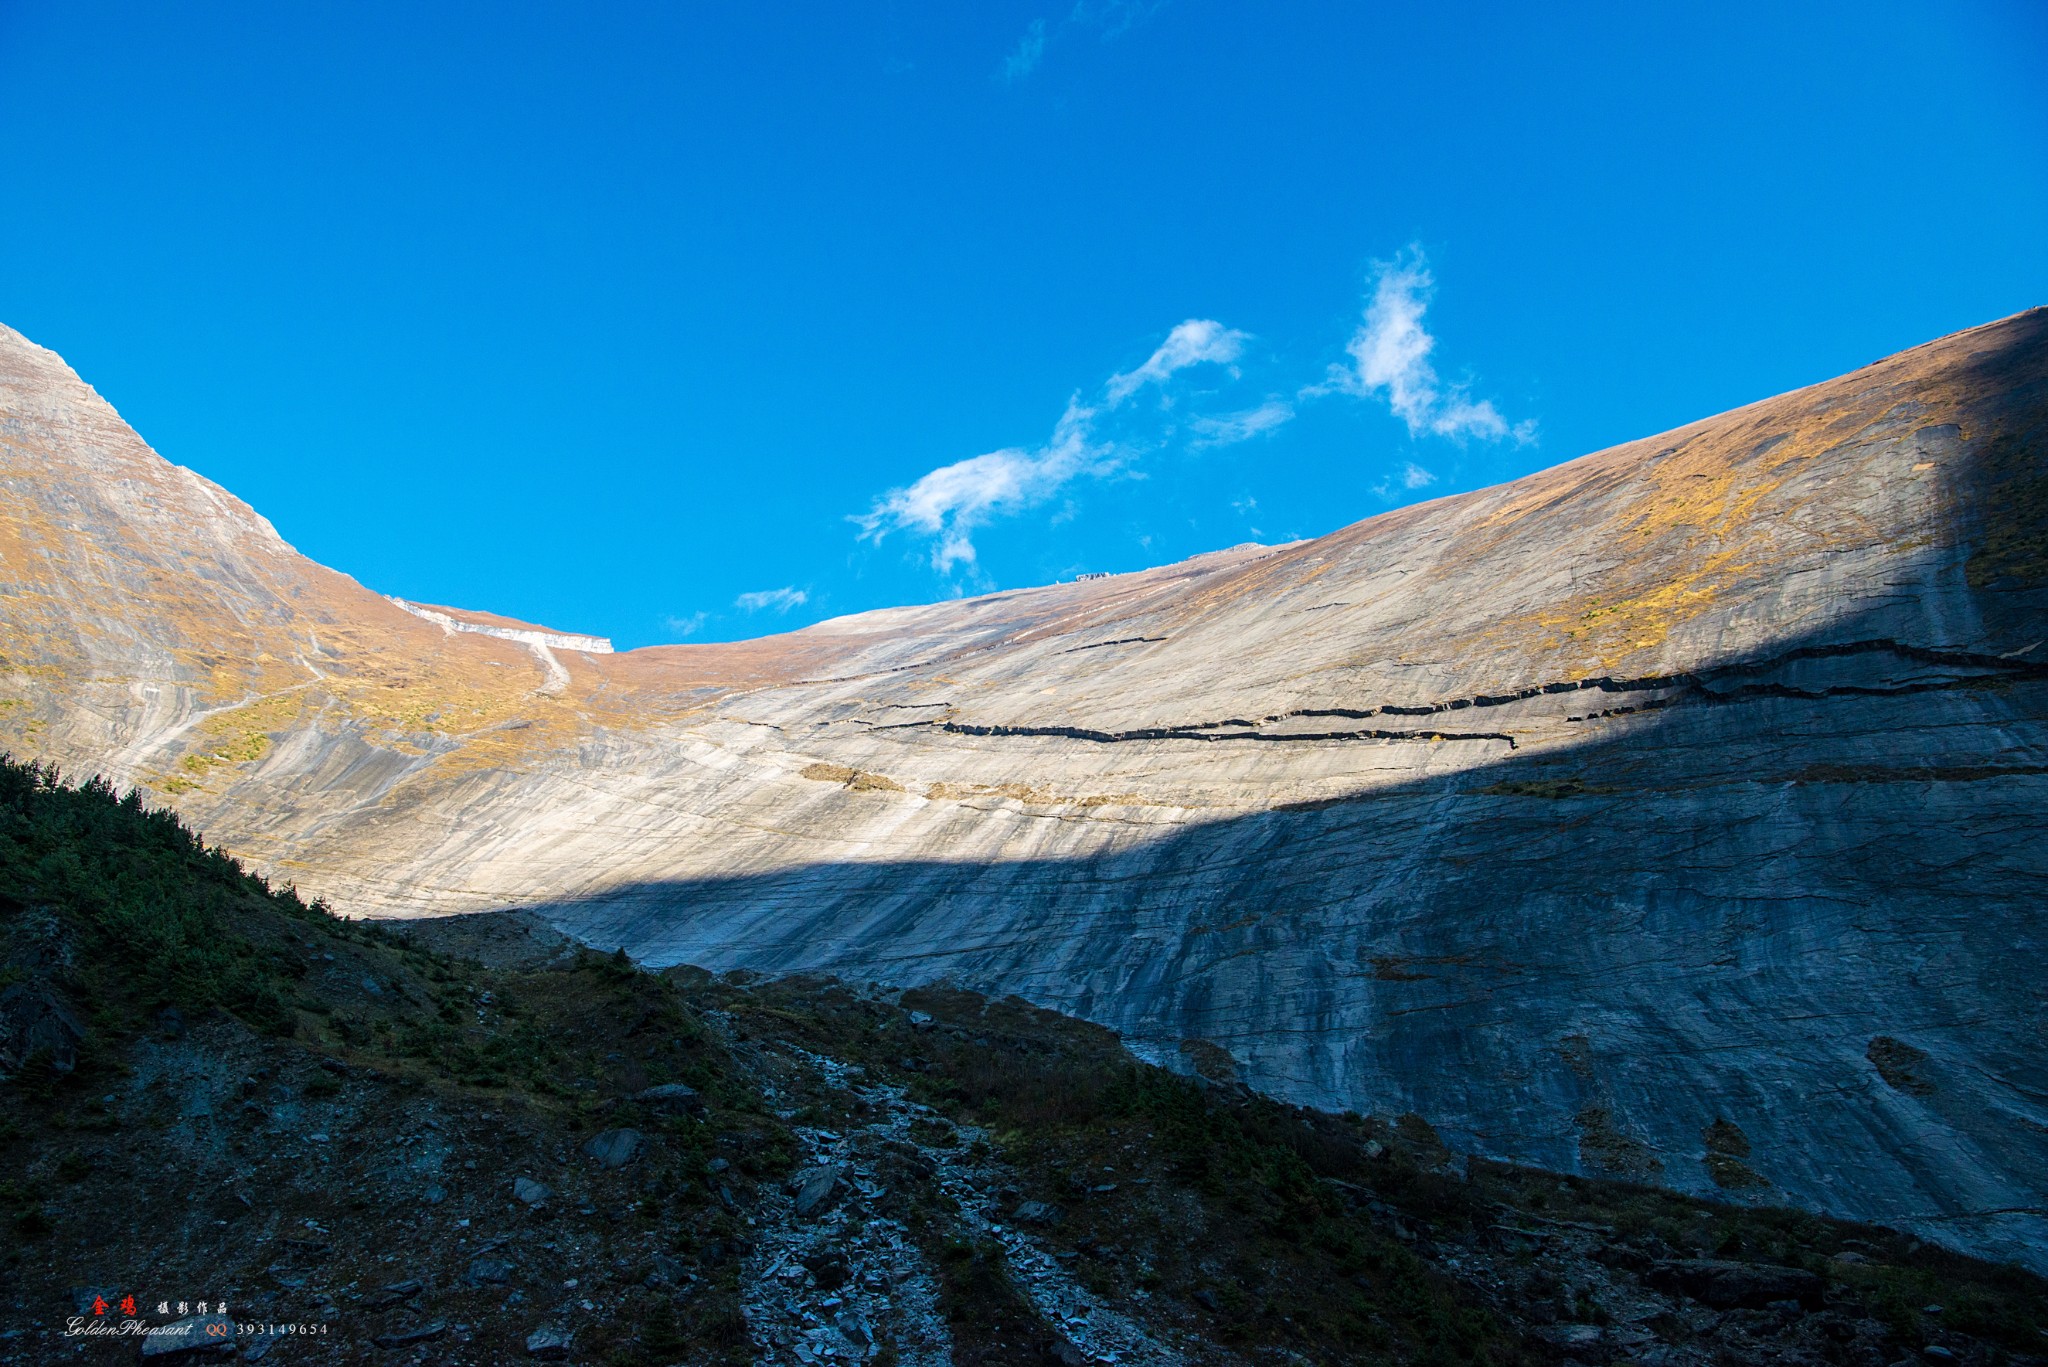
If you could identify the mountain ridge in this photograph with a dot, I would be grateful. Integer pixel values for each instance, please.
(1578, 814)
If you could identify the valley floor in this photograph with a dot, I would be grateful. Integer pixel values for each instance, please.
(468, 1141)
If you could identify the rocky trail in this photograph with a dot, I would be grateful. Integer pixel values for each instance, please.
(836, 1277)
(831, 1277)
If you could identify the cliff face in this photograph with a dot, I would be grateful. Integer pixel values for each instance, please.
(1670, 813)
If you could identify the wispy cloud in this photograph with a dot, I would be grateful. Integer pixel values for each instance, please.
(1107, 19)
(779, 600)
(954, 501)
(1230, 428)
(1390, 360)
(1409, 477)
(1113, 18)
(1194, 342)
(687, 626)
(1030, 51)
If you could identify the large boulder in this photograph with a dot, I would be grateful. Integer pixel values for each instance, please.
(674, 1097)
(614, 1148)
(1729, 1285)
(817, 1189)
(549, 1345)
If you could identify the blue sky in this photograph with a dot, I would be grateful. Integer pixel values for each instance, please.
(692, 322)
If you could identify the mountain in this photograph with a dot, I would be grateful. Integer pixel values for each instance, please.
(1669, 814)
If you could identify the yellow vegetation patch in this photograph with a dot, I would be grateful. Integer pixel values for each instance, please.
(859, 780)
(240, 736)
(480, 718)
(1695, 523)
(1712, 515)
(1727, 1146)
(1020, 791)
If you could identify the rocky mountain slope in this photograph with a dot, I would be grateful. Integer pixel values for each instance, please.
(264, 1130)
(1670, 814)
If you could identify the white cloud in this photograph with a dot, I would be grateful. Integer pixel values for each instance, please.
(687, 626)
(1390, 360)
(1195, 342)
(951, 502)
(781, 600)
(1231, 428)
(1409, 477)
(1030, 51)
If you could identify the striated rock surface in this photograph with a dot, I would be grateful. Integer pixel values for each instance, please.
(1673, 813)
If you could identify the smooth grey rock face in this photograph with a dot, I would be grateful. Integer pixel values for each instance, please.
(1673, 813)
(614, 1148)
(819, 1190)
(549, 1345)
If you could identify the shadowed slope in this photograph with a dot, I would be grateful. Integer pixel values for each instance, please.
(1692, 781)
